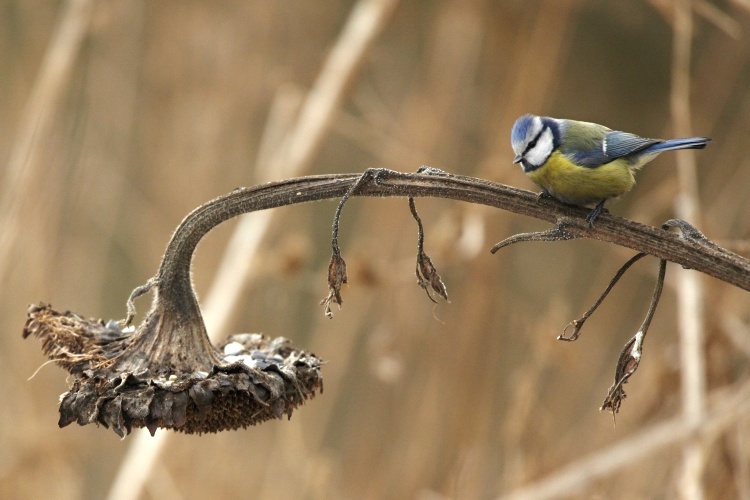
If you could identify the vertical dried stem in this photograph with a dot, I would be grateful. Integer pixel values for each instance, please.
(689, 290)
(364, 24)
(40, 109)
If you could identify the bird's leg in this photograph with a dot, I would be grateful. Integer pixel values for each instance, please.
(596, 212)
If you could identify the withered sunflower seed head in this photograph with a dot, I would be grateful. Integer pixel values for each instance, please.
(270, 380)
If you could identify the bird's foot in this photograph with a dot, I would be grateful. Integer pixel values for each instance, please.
(544, 194)
(595, 213)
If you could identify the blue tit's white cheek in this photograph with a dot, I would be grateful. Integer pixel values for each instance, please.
(542, 150)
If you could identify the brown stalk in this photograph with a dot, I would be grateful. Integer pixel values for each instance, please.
(168, 374)
(695, 254)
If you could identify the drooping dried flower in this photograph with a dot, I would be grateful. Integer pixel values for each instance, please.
(166, 373)
(248, 380)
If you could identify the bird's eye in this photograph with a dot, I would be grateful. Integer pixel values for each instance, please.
(532, 144)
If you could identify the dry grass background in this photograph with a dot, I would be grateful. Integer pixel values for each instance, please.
(113, 130)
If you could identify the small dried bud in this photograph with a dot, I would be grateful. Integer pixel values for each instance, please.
(428, 277)
(627, 364)
(336, 278)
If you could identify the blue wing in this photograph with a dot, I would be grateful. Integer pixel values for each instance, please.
(614, 145)
(619, 144)
(591, 145)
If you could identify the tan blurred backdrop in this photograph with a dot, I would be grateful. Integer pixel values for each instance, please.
(158, 107)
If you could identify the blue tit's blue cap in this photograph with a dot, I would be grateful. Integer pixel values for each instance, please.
(521, 129)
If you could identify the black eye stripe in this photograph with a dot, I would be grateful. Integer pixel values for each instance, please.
(533, 142)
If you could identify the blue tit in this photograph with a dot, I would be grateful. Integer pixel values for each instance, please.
(583, 163)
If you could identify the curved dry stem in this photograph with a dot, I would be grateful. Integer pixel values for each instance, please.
(173, 278)
(577, 324)
(337, 267)
(557, 233)
(631, 355)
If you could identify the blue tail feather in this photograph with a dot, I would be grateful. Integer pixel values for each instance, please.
(686, 143)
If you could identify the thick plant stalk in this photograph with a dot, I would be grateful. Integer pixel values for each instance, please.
(690, 289)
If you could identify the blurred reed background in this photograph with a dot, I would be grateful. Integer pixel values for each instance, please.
(119, 117)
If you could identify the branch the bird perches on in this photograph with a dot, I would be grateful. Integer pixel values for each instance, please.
(166, 373)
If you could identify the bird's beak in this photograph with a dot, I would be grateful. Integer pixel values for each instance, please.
(517, 159)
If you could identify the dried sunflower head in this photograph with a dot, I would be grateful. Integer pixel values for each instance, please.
(119, 383)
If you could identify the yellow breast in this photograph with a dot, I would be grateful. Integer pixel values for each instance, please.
(583, 186)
